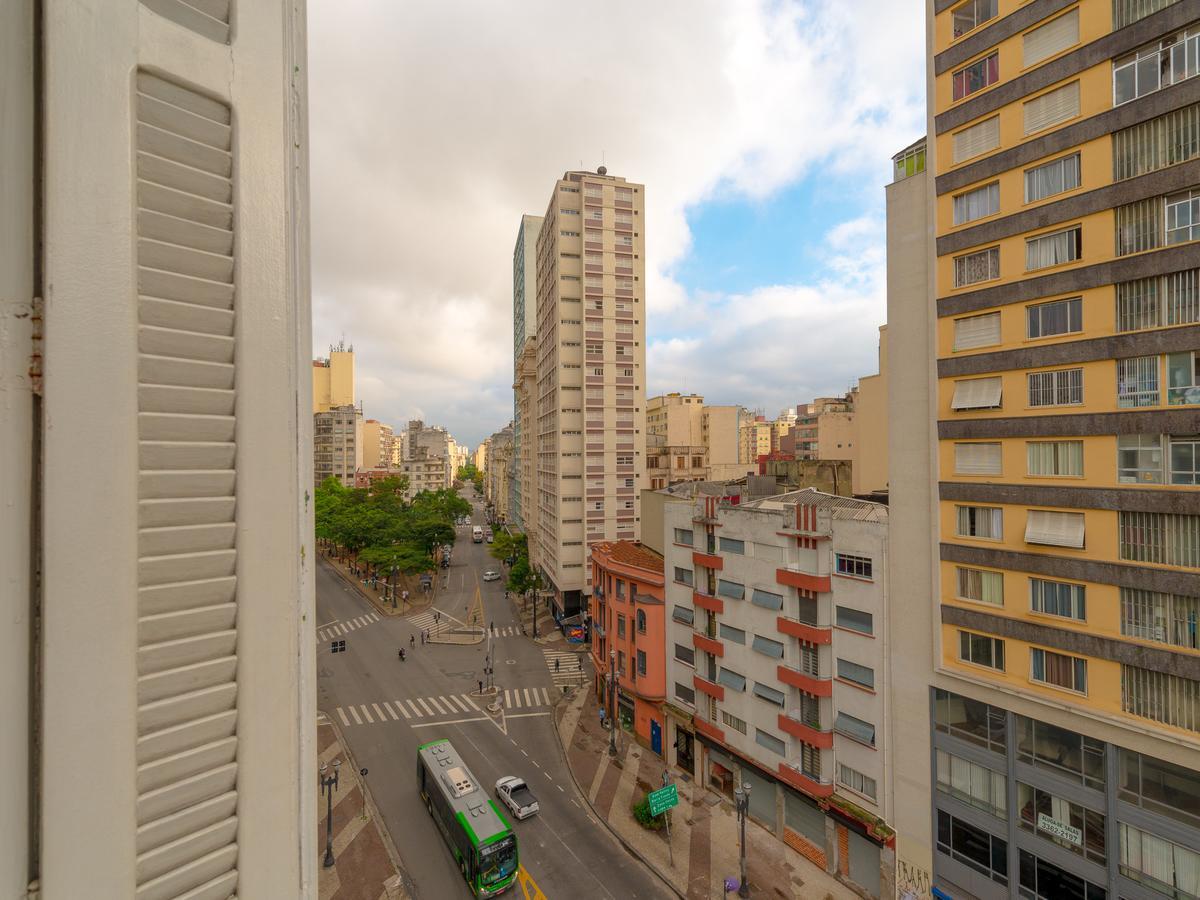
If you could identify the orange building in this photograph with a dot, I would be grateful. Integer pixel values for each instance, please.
(629, 635)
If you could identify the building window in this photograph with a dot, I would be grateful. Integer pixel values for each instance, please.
(1051, 38)
(1058, 670)
(1165, 538)
(981, 649)
(1041, 880)
(1137, 382)
(980, 522)
(1166, 618)
(855, 566)
(1169, 699)
(853, 672)
(1050, 458)
(1055, 529)
(977, 204)
(971, 15)
(970, 720)
(766, 599)
(1071, 826)
(1052, 107)
(977, 331)
(767, 647)
(731, 589)
(733, 721)
(977, 458)
(1183, 217)
(729, 633)
(641, 662)
(1161, 865)
(1183, 378)
(768, 740)
(855, 620)
(1139, 226)
(1052, 178)
(980, 586)
(683, 536)
(729, 545)
(1160, 787)
(620, 626)
(1163, 63)
(1047, 746)
(1057, 598)
(1185, 460)
(1054, 249)
(972, 268)
(809, 660)
(731, 679)
(685, 693)
(770, 694)
(977, 76)
(685, 654)
(856, 781)
(974, 847)
(855, 728)
(683, 576)
(1163, 141)
(977, 393)
(972, 783)
(641, 621)
(1056, 317)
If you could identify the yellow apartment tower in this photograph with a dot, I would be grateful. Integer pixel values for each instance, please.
(1064, 318)
(333, 379)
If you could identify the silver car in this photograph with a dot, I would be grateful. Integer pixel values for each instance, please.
(491, 575)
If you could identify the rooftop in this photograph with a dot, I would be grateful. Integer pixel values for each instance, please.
(840, 507)
(631, 553)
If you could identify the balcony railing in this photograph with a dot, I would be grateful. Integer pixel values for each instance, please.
(710, 560)
(708, 645)
(803, 580)
(810, 684)
(814, 787)
(805, 732)
(810, 633)
(711, 688)
(705, 601)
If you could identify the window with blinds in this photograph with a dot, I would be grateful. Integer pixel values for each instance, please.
(1168, 539)
(977, 393)
(977, 331)
(1047, 458)
(1052, 107)
(1157, 616)
(977, 458)
(1164, 141)
(978, 138)
(1161, 697)
(209, 18)
(187, 596)
(1139, 226)
(1126, 12)
(1057, 529)
(1053, 37)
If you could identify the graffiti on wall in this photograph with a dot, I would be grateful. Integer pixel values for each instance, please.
(912, 882)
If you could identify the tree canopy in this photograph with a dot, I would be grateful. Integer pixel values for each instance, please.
(515, 547)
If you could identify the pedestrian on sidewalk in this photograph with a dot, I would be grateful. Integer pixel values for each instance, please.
(481, 687)
(556, 662)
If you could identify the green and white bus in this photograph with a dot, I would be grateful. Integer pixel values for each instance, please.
(477, 833)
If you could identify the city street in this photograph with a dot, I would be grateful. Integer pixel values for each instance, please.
(386, 708)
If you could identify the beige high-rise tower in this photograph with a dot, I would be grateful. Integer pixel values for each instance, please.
(590, 381)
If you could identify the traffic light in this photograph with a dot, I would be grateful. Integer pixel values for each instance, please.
(337, 646)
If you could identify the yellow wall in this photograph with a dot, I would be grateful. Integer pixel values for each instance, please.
(1099, 320)
(320, 389)
(341, 378)
(1100, 532)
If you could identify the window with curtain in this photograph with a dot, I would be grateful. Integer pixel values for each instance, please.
(1137, 381)
(1159, 864)
(980, 522)
(1166, 538)
(1050, 38)
(977, 204)
(1058, 670)
(1140, 458)
(978, 75)
(1057, 598)
(980, 585)
(1166, 618)
(1160, 696)
(972, 268)
(1054, 249)
(1052, 178)
(1056, 317)
(1054, 458)
(972, 783)
(977, 331)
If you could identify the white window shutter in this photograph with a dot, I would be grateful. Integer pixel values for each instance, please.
(979, 138)
(1051, 108)
(1057, 529)
(977, 458)
(1053, 37)
(977, 331)
(977, 393)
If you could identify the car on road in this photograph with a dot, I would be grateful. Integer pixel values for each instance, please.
(491, 575)
(515, 794)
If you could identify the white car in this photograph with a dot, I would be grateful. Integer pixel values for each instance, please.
(515, 794)
(491, 575)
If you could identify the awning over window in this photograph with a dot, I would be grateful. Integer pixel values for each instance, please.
(766, 599)
(976, 393)
(1058, 529)
(732, 680)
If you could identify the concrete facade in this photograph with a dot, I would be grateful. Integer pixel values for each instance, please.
(524, 337)
(871, 426)
(498, 471)
(337, 444)
(378, 444)
(687, 440)
(333, 379)
(525, 510)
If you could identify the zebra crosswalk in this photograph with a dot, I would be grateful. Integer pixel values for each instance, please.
(505, 631)
(329, 632)
(565, 667)
(427, 620)
(516, 698)
(417, 708)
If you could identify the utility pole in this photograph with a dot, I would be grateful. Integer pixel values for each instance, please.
(741, 799)
(612, 702)
(329, 784)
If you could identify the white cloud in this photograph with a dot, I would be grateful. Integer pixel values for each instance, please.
(436, 124)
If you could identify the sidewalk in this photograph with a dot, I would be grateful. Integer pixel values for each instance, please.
(704, 831)
(366, 865)
(417, 600)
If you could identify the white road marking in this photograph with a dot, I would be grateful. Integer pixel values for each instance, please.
(330, 622)
(367, 713)
(507, 701)
(529, 702)
(379, 712)
(420, 715)
(511, 741)
(354, 715)
(516, 696)
(437, 706)
(426, 707)
(546, 696)
(470, 701)
(342, 715)
(523, 753)
(559, 786)
(463, 705)
(450, 722)
(527, 715)
(535, 763)
(391, 712)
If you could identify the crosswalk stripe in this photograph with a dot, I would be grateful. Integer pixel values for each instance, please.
(472, 702)
(425, 706)
(367, 714)
(516, 696)
(546, 694)
(360, 621)
(419, 714)
(374, 617)
(527, 701)
(403, 711)
(379, 712)
(342, 714)
(354, 714)
(433, 702)
(456, 704)
(507, 701)
(391, 712)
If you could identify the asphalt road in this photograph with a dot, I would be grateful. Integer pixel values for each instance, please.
(563, 848)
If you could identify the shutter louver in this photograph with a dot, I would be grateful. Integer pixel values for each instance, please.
(977, 331)
(187, 640)
(977, 459)
(209, 18)
(979, 138)
(1057, 529)
(977, 393)
(1051, 108)
(1051, 38)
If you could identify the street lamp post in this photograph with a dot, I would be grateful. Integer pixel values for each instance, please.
(393, 587)
(741, 798)
(329, 784)
(612, 702)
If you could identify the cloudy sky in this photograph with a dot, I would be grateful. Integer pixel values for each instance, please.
(762, 129)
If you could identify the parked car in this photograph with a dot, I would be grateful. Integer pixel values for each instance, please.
(489, 537)
(515, 794)
(491, 575)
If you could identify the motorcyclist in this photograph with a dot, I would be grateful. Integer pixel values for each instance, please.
(401, 654)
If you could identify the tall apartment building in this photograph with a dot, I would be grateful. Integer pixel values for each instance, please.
(777, 668)
(157, 666)
(1064, 318)
(590, 381)
(524, 333)
(498, 471)
(333, 379)
(433, 442)
(687, 440)
(378, 443)
(755, 439)
(525, 507)
(338, 444)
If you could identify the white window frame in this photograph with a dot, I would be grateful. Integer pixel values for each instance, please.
(1048, 597)
(960, 81)
(1145, 470)
(1042, 253)
(1182, 217)
(989, 256)
(993, 516)
(1055, 528)
(1139, 381)
(1054, 459)
(1055, 175)
(1039, 653)
(988, 585)
(1037, 313)
(977, 203)
(1057, 387)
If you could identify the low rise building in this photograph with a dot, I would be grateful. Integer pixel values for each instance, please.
(776, 662)
(424, 473)
(337, 444)
(628, 637)
(688, 440)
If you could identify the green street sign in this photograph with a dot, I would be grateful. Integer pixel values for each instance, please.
(663, 799)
